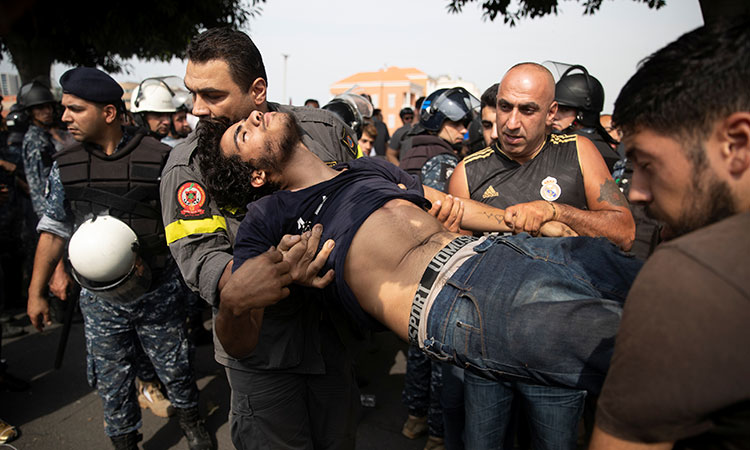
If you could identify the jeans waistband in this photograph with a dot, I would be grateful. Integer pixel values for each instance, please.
(428, 279)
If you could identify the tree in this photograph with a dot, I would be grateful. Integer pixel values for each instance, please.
(37, 33)
(532, 8)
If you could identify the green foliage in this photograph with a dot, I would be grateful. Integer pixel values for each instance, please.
(105, 32)
(532, 8)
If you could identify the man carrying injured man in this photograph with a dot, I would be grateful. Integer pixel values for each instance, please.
(539, 310)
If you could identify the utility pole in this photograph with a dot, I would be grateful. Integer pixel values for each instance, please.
(286, 56)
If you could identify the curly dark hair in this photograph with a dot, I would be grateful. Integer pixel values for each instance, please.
(227, 179)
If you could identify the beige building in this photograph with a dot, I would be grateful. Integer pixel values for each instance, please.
(390, 89)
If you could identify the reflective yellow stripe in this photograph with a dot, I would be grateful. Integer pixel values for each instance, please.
(183, 228)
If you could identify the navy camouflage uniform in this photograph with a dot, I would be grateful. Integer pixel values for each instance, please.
(21, 226)
(38, 148)
(114, 332)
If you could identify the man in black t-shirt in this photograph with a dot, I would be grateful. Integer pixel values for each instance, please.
(537, 177)
(394, 144)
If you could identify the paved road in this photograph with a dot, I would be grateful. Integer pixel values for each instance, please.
(61, 412)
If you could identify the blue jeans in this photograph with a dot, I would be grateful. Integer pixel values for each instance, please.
(552, 414)
(452, 403)
(535, 310)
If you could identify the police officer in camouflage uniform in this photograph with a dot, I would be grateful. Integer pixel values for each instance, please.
(115, 170)
(436, 140)
(41, 140)
(297, 388)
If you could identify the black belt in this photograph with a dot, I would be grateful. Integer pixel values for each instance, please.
(428, 279)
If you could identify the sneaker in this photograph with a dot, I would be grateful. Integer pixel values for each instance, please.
(414, 427)
(150, 396)
(434, 443)
(7, 432)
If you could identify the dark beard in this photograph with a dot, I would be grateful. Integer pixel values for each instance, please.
(277, 153)
(711, 202)
(228, 179)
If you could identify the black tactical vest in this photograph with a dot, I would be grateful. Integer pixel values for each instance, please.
(124, 184)
(423, 148)
(553, 175)
(609, 154)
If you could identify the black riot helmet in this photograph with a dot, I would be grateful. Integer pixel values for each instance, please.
(34, 94)
(353, 109)
(17, 119)
(582, 92)
(455, 104)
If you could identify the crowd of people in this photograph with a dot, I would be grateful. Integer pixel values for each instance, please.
(542, 308)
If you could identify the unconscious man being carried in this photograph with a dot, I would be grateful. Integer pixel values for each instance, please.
(538, 310)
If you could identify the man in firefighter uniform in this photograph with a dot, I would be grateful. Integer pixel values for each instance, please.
(296, 389)
(110, 176)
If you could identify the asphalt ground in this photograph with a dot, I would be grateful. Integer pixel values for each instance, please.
(61, 412)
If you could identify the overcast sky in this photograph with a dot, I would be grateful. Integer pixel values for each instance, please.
(328, 40)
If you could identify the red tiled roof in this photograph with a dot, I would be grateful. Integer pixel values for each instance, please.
(389, 74)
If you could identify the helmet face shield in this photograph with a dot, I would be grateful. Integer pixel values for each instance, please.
(455, 104)
(352, 109)
(125, 290)
(152, 95)
(103, 253)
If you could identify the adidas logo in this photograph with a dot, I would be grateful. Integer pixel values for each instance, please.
(490, 192)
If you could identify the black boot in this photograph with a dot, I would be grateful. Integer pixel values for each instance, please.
(127, 441)
(194, 429)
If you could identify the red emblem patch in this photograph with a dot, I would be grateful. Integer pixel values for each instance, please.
(191, 196)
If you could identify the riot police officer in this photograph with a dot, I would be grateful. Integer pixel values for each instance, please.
(435, 142)
(41, 139)
(114, 171)
(580, 99)
(152, 106)
(179, 128)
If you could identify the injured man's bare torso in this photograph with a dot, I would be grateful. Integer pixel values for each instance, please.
(387, 258)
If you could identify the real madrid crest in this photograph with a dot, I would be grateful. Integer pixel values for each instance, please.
(191, 197)
(550, 190)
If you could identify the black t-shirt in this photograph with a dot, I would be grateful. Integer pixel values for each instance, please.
(681, 367)
(554, 174)
(340, 204)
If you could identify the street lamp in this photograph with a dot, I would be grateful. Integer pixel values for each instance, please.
(286, 56)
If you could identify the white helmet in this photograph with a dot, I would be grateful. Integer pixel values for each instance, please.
(104, 254)
(153, 94)
(183, 100)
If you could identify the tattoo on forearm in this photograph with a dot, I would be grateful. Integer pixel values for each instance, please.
(610, 193)
(498, 217)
